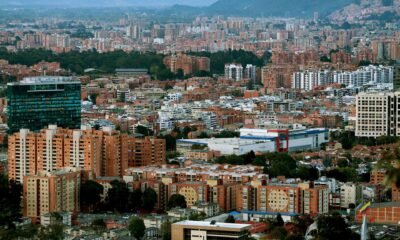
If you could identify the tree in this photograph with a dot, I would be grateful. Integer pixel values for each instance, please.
(333, 227)
(135, 199)
(144, 130)
(186, 131)
(325, 59)
(90, 194)
(176, 200)
(307, 173)
(197, 216)
(249, 157)
(250, 85)
(279, 220)
(280, 164)
(10, 202)
(227, 134)
(118, 196)
(149, 199)
(165, 230)
(279, 233)
(203, 135)
(54, 232)
(230, 219)
(259, 161)
(179, 73)
(302, 223)
(136, 227)
(99, 222)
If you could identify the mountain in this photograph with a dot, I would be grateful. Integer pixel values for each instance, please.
(266, 8)
(249, 8)
(385, 11)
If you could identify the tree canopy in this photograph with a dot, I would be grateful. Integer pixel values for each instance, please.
(334, 227)
(118, 196)
(136, 227)
(176, 200)
(10, 201)
(90, 194)
(149, 199)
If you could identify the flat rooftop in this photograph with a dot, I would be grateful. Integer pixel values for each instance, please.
(235, 226)
(230, 141)
(45, 80)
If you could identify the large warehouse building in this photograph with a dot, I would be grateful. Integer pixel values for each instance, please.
(261, 140)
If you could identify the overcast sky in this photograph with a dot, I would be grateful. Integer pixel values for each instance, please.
(100, 3)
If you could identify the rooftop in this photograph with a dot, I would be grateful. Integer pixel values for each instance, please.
(218, 224)
(45, 80)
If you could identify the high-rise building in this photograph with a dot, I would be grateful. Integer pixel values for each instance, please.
(396, 77)
(188, 64)
(101, 153)
(133, 31)
(47, 192)
(377, 114)
(234, 72)
(277, 76)
(250, 72)
(21, 155)
(36, 102)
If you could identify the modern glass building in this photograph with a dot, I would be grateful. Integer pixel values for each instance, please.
(36, 102)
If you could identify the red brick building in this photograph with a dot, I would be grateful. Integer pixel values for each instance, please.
(382, 213)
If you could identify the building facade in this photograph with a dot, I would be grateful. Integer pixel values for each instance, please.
(197, 230)
(36, 102)
(377, 114)
(47, 192)
(234, 72)
(99, 152)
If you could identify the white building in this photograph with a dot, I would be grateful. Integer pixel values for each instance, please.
(299, 139)
(350, 193)
(234, 72)
(307, 80)
(165, 122)
(260, 140)
(56, 217)
(250, 72)
(173, 96)
(123, 94)
(210, 209)
(377, 114)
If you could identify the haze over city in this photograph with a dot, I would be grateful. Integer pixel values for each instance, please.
(200, 120)
(108, 3)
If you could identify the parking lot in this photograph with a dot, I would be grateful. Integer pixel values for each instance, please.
(389, 232)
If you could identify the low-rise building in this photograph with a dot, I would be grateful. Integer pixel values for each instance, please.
(197, 230)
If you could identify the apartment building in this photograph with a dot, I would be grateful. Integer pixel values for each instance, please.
(99, 152)
(377, 114)
(311, 78)
(54, 191)
(188, 64)
(276, 76)
(234, 72)
(250, 72)
(350, 193)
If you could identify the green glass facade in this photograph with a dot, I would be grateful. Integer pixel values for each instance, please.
(34, 103)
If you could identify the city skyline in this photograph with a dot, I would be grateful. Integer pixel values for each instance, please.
(231, 119)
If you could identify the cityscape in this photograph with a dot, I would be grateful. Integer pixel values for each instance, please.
(200, 120)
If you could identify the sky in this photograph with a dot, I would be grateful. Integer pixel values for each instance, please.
(99, 3)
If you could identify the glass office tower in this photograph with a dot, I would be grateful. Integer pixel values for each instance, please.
(36, 102)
